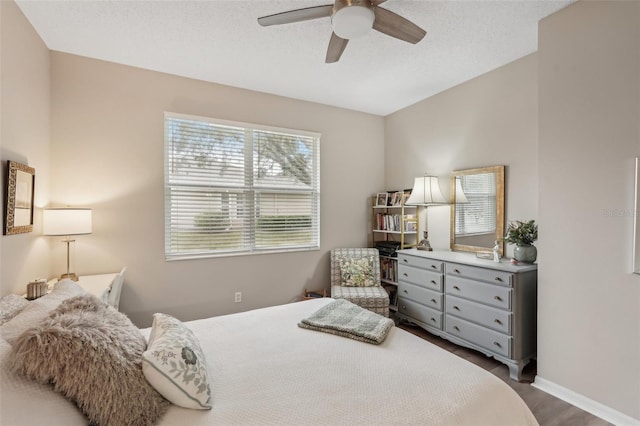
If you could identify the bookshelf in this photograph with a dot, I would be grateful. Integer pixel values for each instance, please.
(392, 222)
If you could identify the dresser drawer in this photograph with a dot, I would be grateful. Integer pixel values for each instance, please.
(421, 263)
(421, 295)
(480, 274)
(426, 279)
(480, 292)
(488, 339)
(420, 313)
(480, 314)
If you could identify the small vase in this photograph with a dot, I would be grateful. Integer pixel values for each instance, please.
(525, 253)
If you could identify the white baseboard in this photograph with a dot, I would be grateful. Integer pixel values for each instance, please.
(584, 403)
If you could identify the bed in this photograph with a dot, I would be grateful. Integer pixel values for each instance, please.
(265, 370)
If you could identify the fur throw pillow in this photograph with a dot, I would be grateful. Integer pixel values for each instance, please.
(92, 354)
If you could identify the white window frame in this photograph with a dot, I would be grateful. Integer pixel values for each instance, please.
(250, 193)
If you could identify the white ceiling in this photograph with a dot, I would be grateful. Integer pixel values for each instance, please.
(221, 41)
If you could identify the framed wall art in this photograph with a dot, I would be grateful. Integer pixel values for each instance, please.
(19, 201)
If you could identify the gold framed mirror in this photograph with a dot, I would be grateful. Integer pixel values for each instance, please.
(20, 188)
(477, 209)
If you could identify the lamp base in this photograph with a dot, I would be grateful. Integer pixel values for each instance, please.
(71, 275)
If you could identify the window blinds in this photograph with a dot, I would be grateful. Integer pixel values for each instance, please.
(236, 188)
(478, 216)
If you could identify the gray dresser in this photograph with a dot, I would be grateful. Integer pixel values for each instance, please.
(477, 303)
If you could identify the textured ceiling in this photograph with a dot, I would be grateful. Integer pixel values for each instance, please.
(220, 41)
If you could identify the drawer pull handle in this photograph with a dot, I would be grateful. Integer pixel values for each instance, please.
(498, 298)
(433, 320)
(404, 274)
(498, 279)
(434, 267)
(497, 321)
(433, 300)
(455, 287)
(404, 306)
(457, 271)
(405, 260)
(456, 328)
(456, 308)
(497, 344)
(405, 291)
(433, 282)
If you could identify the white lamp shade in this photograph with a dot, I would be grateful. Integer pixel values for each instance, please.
(66, 221)
(426, 191)
(353, 21)
(460, 197)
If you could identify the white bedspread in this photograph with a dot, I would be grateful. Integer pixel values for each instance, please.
(265, 370)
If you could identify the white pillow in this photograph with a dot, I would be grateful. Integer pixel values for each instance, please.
(10, 306)
(174, 364)
(39, 308)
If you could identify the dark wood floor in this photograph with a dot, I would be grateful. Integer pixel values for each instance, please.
(548, 410)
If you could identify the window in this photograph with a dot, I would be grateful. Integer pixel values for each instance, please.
(236, 188)
(478, 216)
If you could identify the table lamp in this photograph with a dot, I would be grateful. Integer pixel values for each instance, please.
(67, 222)
(426, 192)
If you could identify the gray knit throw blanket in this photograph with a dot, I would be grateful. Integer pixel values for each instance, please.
(346, 319)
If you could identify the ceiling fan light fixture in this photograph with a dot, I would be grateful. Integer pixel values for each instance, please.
(353, 21)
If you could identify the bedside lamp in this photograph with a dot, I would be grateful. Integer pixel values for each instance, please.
(67, 222)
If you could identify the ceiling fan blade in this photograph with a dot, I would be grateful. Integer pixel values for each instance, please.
(394, 25)
(297, 15)
(335, 49)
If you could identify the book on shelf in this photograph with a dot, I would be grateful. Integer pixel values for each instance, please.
(389, 222)
(389, 269)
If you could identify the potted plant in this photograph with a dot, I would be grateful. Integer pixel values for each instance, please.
(523, 234)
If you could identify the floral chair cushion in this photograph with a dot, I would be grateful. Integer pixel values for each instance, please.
(175, 365)
(344, 256)
(357, 272)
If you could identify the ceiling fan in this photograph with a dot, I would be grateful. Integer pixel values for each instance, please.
(351, 19)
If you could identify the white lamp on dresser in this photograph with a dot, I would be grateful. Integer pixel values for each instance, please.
(426, 192)
(67, 222)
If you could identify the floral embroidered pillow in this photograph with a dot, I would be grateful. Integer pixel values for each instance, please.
(357, 272)
(174, 364)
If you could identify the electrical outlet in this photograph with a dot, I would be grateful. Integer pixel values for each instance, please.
(238, 296)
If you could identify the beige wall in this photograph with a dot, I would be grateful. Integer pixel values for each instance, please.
(589, 302)
(107, 148)
(24, 138)
(490, 120)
